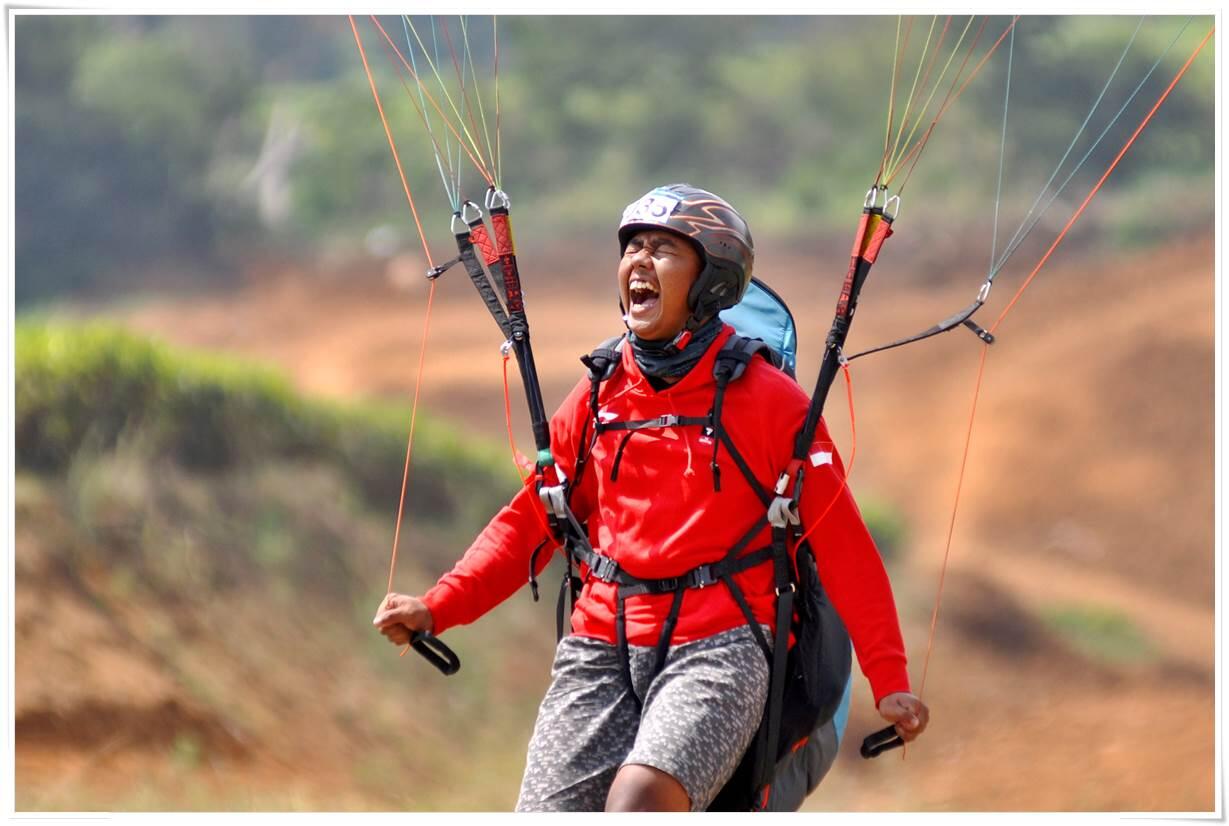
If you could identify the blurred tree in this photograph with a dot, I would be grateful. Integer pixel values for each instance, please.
(147, 138)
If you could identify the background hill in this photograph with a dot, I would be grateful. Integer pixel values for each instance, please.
(1077, 622)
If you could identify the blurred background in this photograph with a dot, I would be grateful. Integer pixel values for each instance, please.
(221, 303)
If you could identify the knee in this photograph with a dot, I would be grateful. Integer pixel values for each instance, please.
(638, 788)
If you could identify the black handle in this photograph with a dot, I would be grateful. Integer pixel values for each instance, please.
(881, 741)
(436, 652)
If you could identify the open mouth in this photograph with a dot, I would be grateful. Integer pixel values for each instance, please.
(642, 294)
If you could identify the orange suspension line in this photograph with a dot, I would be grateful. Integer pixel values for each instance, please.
(478, 163)
(985, 347)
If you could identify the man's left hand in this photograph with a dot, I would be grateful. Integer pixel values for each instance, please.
(908, 712)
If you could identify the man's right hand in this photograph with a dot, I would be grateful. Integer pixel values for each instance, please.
(400, 615)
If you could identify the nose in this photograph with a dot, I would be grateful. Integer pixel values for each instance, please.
(641, 259)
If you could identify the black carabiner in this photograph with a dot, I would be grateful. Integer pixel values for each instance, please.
(436, 652)
(881, 741)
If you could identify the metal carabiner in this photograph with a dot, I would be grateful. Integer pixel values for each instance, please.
(869, 201)
(477, 210)
(984, 292)
(497, 198)
(888, 212)
(463, 229)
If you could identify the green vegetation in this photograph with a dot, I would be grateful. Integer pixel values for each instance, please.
(95, 386)
(1100, 632)
(219, 525)
(887, 527)
(202, 138)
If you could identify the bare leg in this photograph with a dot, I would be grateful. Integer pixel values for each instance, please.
(639, 788)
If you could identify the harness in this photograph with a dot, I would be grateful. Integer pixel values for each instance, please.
(730, 364)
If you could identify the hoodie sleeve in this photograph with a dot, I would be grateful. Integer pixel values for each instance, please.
(851, 569)
(497, 563)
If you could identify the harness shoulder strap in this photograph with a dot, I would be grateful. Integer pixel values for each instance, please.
(730, 364)
(604, 359)
(736, 354)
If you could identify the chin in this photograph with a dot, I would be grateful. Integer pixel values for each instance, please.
(646, 330)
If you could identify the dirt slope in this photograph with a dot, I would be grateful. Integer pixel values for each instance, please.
(1089, 488)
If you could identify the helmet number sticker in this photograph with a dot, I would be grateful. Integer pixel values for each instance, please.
(654, 208)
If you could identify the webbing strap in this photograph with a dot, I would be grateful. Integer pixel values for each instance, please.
(764, 496)
(881, 233)
(501, 221)
(668, 420)
(776, 691)
(745, 607)
(964, 317)
(465, 248)
(607, 570)
(569, 587)
(667, 630)
(625, 663)
(618, 459)
(874, 227)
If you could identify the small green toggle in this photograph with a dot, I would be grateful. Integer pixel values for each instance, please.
(545, 459)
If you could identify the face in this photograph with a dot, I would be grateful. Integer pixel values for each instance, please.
(655, 275)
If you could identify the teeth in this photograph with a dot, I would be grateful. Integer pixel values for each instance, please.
(638, 284)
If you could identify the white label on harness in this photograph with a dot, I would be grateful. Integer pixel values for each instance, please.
(654, 208)
(821, 457)
(607, 416)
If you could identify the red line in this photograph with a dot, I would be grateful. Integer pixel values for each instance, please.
(950, 99)
(409, 445)
(391, 143)
(853, 454)
(951, 525)
(477, 163)
(985, 348)
(1109, 170)
(469, 109)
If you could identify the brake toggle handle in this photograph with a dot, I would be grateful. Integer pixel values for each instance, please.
(436, 652)
(881, 741)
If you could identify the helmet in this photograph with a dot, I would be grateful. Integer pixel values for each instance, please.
(716, 229)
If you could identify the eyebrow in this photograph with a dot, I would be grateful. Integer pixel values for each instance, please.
(656, 239)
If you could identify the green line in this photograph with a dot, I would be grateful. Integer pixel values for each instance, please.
(896, 159)
(486, 132)
(1015, 243)
(994, 236)
(499, 157)
(887, 133)
(444, 88)
(913, 88)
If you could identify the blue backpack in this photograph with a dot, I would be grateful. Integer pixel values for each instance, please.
(820, 664)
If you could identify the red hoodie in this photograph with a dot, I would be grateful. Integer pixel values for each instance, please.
(661, 516)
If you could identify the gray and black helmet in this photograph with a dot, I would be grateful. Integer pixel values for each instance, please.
(719, 233)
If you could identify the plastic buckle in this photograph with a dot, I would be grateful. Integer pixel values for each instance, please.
(605, 569)
(667, 420)
(669, 584)
(791, 588)
(702, 576)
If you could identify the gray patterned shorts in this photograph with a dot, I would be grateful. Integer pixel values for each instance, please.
(701, 712)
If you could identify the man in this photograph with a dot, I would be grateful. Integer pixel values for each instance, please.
(655, 697)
